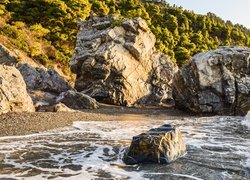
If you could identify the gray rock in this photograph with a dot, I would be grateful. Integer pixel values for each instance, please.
(215, 82)
(39, 78)
(41, 98)
(160, 145)
(7, 57)
(119, 64)
(77, 100)
(13, 93)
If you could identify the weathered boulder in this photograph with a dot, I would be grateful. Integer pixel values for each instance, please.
(13, 93)
(158, 145)
(77, 100)
(216, 81)
(44, 85)
(116, 62)
(39, 78)
(7, 57)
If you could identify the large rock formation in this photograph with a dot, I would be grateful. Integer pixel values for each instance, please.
(44, 85)
(159, 145)
(13, 93)
(116, 62)
(39, 78)
(216, 81)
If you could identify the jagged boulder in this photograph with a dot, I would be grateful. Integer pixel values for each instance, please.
(159, 145)
(40, 78)
(116, 62)
(44, 85)
(7, 57)
(77, 100)
(13, 93)
(216, 81)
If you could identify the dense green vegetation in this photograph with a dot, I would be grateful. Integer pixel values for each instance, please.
(46, 29)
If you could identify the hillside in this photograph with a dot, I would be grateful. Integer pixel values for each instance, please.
(45, 30)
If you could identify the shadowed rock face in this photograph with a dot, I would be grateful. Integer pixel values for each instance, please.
(13, 93)
(119, 64)
(158, 145)
(216, 82)
(43, 85)
(38, 78)
(7, 57)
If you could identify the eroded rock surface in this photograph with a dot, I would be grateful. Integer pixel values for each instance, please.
(116, 62)
(13, 93)
(216, 81)
(7, 57)
(158, 145)
(44, 85)
(38, 78)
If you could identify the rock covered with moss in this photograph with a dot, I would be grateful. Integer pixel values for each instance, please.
(116, 62)
(216, 81)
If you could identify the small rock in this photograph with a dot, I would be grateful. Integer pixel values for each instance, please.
(60, 107)
(158, 145)
(77, 100)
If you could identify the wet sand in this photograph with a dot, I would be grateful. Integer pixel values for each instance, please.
(12, 124)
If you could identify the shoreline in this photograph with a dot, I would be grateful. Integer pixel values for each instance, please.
(14, 124)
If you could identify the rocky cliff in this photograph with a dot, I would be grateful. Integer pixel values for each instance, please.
(13, 93)
(116, 62)
(215, 82)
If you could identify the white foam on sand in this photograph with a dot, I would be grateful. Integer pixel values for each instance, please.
(103, 135)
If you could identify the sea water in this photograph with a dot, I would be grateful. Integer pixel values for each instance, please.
(218, 148)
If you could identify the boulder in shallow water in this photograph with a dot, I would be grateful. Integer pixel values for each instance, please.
(158, 145)
(77, 100)
(216, 82)
(13, 93)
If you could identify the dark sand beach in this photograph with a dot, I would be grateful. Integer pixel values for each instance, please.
(12, 124)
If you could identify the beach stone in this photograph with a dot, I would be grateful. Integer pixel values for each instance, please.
(116, 62)
(59, 107)
(217, 82)
(159, 145)
(77, 100)
(13, 94)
